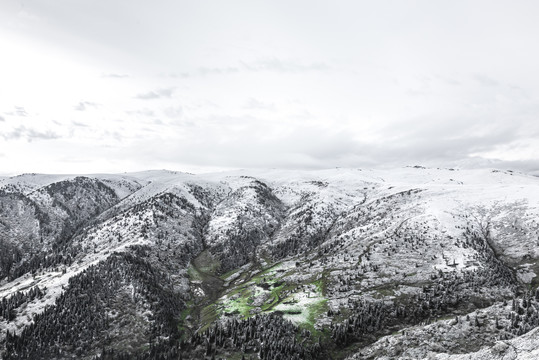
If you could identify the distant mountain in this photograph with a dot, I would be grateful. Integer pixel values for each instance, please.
(407, 263)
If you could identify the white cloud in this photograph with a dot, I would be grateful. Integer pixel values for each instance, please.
(30, 134)
(156, 94)
(269, 83)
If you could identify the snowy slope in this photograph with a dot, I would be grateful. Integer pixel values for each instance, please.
(349, 237)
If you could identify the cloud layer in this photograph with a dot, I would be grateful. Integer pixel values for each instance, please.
(121, 86)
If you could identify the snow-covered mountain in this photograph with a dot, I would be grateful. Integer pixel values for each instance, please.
(270, 264)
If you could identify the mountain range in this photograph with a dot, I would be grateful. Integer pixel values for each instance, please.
(407, 263)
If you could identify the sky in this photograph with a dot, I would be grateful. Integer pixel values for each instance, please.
(114, 86)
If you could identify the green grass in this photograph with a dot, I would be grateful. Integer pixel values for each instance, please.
(183, 315)
(275, 295)
(207, 316)
(272, 268)
(239, 298)
(321, 285)
(305, 312)
(261, 284)
(264, 279)
(384, 292)
(315, 310)
(241, 305)
(251, 289)
(193, 274)
(186, 312)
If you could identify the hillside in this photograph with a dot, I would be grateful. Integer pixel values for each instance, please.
(406, 263)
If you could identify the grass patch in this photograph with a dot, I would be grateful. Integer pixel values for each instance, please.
(273, 268)
(193, 274)
(241, 304)
(315, 310)
(321, 285)
(207, 316)
(301, 303)
(384, 292)
(183, 315)
(303, 308)
(276, 296)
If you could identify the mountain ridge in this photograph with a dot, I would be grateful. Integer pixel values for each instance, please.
(343, 255)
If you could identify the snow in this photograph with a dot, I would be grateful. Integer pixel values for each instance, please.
(51, 282)
(367, 213)
(301, 303)
(525, 347)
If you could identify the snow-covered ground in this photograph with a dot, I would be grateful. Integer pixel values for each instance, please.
(371, 233)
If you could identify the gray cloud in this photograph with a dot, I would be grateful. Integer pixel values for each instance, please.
(245, 148)
(2, 118)
(83, 105)
(255, 104)
(79, 124)
(251, 142)
(173, 112)
(486, 80)
(427, 139)
(22, 132)
(462, 92)
(303, 115)
(19, 111)
(527, 166)
(156, 94)
(453, 82)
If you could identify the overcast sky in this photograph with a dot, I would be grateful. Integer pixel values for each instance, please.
(122, 85)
